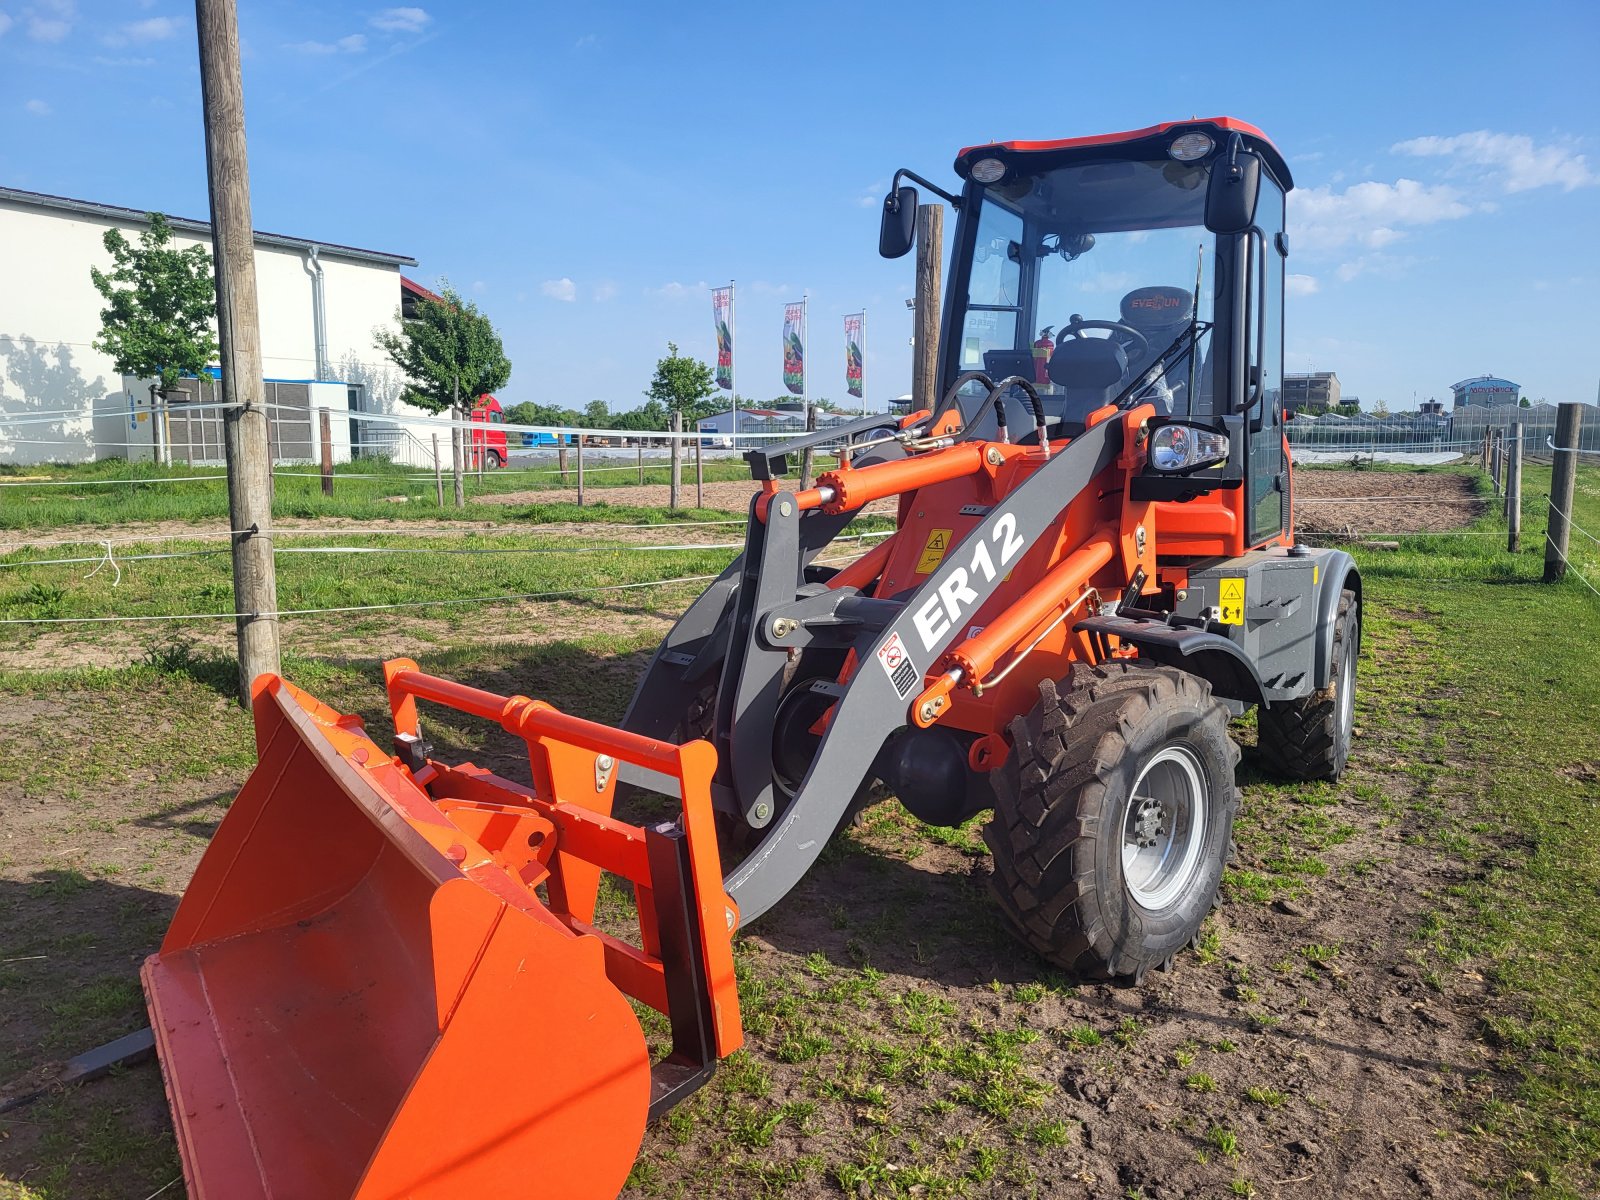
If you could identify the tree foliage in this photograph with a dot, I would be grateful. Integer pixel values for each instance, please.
(160, 305)
(449, 343)
(529, 413)
(682, 385)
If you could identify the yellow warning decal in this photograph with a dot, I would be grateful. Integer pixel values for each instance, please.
(1230, 600)
(933, 553)
(1313, 574)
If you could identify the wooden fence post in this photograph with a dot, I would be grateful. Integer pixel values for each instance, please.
(807, 458)
(580, 470)
(677, 461)
(1563, 479)
(639, 450)
(561, 460)
(699, 475)
(325, 428)
(438, 471)
(1514, 491)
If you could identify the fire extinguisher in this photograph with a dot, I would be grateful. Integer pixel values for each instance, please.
(1041, 355)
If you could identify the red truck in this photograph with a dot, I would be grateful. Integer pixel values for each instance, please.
(488, 442)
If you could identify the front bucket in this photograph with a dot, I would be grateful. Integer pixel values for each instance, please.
(362, 996)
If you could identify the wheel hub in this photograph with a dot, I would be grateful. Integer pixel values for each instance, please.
(1148, 826)
(1164, 834)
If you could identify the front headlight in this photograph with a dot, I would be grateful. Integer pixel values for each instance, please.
(1177, 448)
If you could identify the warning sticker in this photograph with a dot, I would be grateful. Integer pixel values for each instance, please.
(1230, 600)
(897, 664)
(933, 553)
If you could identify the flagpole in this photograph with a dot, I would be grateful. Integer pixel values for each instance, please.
(733, 353)
(805, 353)
(863, 362)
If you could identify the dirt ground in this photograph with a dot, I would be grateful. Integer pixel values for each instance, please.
(894, 1026)
(1374, 503)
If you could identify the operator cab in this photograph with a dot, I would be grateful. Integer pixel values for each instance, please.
(1133, 268)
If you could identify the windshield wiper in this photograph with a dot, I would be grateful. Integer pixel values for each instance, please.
(1186, 342)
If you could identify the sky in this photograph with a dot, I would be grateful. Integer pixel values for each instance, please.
(585, 172)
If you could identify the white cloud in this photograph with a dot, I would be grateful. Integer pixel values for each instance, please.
(1302, 285)
(151, 29)
(1368, 214)
(1512, 159)
(48, 29)
(605, 290)
(401, 20)
(479, 286)
(562, 289)
(355, 43)
(50, 20)
(5, 23)
(37, 108)
(679, 291)
(1384, 266)
(587, 40)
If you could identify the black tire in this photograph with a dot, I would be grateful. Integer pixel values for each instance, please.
(1309, 738)
(1062, 810)
(495, 461)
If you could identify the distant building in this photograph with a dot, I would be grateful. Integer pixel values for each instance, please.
(1431, 408)
(319, 304)
(1311, 391)
(1487, 390)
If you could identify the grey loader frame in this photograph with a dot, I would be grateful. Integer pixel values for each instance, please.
(738, 635)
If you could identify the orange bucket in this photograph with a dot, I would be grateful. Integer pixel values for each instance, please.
(363, 996)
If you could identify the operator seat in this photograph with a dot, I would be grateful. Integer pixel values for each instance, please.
(1161, 313)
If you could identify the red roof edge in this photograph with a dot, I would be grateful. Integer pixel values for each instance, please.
(416, 289)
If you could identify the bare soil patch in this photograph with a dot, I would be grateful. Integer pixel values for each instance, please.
(726, 495)
(1374, 503)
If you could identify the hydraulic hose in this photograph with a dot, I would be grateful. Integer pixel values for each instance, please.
(997, 395)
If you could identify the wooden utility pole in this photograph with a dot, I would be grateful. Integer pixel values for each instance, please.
(677, 461)
(1514, 490)
(244, 420)
(1563, 479)
(925, 354)
(456, 452)
(325, 429)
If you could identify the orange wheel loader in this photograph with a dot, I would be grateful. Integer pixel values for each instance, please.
(386, 979)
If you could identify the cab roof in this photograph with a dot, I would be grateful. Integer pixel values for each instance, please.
(1152, 140)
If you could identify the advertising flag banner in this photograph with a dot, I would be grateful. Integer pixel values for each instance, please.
(794, 350)
(853, 352)
(721, 313)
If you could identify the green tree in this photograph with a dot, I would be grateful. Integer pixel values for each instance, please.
(449, 343)
(529, 413)
(682, 385)
(596, 415)
(1380, 409)
(1524, 403)
(160, 305)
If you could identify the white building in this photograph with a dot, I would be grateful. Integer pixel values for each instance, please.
(61, 400)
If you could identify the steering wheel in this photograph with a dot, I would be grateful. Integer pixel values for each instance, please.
(1074, 328)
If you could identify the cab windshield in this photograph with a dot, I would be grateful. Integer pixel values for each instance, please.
(1094, 281)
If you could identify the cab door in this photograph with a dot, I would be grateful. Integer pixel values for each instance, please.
(1266, 473)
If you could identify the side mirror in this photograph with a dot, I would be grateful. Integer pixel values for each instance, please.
(898, 233)
(1234, 189)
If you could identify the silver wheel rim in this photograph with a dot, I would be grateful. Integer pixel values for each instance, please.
(1165, 829)
(1347, 690)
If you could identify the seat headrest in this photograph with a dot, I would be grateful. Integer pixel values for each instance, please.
(1152, 307)
(1087, 362)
